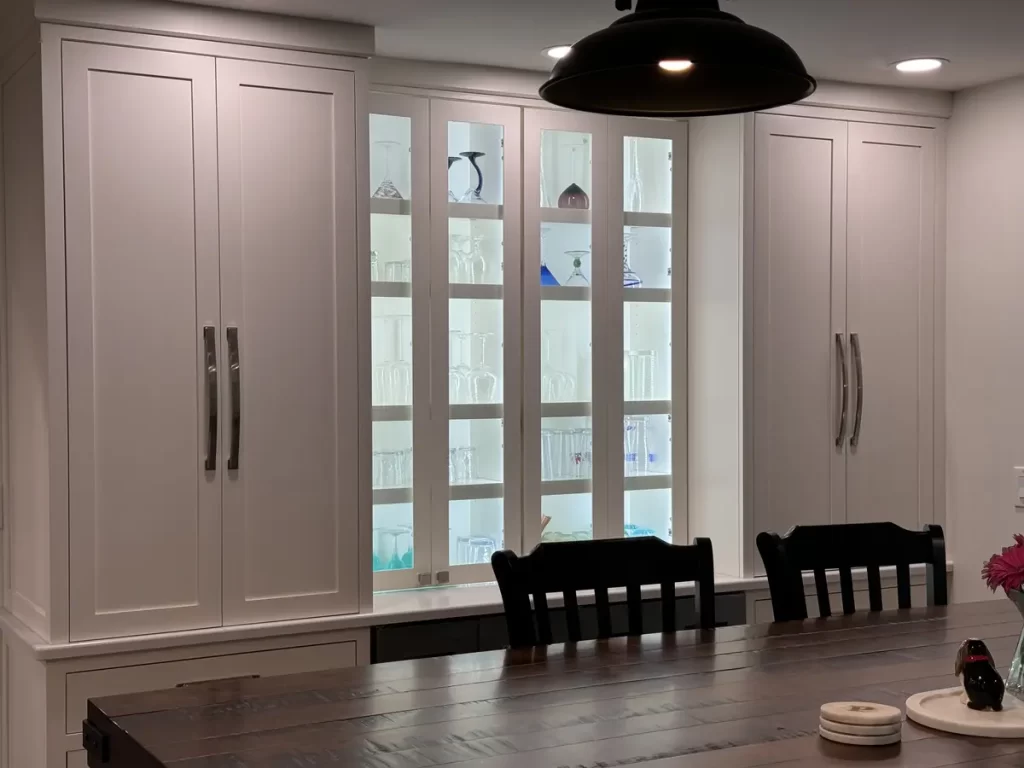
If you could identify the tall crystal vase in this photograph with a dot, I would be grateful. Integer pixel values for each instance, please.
(1015, 677)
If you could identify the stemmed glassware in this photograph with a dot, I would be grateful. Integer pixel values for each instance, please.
(556, 386)
(451, 195)
(634, 184)
(392, 550)
(630, 279)
(392, 375)
(466, 262)
(458, 369)
(473, 194)
(483, 384)
(387, 188)
(577, 278)
(573, 195)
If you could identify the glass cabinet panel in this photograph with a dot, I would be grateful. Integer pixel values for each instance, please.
(399, 273)
(653, 186)
(474, 321)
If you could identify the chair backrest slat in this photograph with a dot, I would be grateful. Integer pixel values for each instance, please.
(846, 588)
(575, 566)
(871, 546)
(903, 585)
(636, 609)
(874, 587)
(572, 615)
(821, 589)
(540, 608)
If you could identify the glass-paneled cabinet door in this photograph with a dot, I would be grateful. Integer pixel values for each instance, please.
(566, 207)
(400, 343)
(475, 441)
(647, 324)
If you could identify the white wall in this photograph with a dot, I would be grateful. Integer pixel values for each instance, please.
(985, 327)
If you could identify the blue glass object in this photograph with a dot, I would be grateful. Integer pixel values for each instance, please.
(546, 278)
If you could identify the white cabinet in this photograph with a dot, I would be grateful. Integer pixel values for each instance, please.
(288, 280)
(140, 160)
(843, 323)
(212, 340)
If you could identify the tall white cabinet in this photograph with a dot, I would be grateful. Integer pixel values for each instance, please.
(835, 290)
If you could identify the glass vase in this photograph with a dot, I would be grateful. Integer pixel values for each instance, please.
(1015, 677)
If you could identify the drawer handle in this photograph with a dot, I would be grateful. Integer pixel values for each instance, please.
(217, 680)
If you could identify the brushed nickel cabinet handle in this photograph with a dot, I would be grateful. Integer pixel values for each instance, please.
(841, 356)
(210, 349)
(235, 377)
(858, 364)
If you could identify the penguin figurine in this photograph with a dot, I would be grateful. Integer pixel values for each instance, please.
(982, 682)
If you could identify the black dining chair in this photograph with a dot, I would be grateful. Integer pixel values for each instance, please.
(820, 548)
(572, 566)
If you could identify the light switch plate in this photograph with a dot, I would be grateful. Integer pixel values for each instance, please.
(1018, 473)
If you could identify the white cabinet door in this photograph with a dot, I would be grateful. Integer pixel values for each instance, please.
(141, 226)
(799, 286)
(891, 316)
(288, 261)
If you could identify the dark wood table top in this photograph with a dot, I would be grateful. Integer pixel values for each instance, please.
(736, 697)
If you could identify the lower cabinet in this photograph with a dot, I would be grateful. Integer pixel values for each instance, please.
(51, 697)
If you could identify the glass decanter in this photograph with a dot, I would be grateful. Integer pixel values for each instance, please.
(387, 188)
(577, 278)
(473, 194)
(630, 279)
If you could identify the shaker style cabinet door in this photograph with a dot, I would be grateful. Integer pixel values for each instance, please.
(140, 160)
(288, 276)
(799, 320)
(891, 324)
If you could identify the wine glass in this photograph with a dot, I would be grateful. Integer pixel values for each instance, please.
(573, 195)
(458, 370)
(577, 278)
(457, 246)
(472, 194)
(451, 195)
(482, 381)
(387, 188)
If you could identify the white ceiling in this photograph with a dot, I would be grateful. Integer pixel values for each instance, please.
(849, 40)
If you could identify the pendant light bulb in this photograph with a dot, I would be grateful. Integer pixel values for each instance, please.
(675, 65)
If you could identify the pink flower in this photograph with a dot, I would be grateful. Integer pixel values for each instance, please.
(1006, 570)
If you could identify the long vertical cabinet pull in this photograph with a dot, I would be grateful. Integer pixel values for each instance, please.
(858, 365)
(210, 348)
(841, 354)
(235, 378)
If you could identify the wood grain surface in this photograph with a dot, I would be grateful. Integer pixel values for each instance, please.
(737, 697)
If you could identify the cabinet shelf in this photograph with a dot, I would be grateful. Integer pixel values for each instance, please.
(565, 215)
(476, 211)
(392, 413)
(475, 291)
(481, 489)
(473, 411)
(647, 407)
(647, 482)
(643, 219)
(565, 410)
(390, 290)
(566, 487)
(564, 293)
(647, 295)
(390, 207)
(392, 496)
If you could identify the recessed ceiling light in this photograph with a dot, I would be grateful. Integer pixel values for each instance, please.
(558, 51)
(675, 65)
(920, 65)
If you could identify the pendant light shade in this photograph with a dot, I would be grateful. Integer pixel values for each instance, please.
(678, 58)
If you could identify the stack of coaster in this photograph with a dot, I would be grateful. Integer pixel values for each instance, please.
(861, 723)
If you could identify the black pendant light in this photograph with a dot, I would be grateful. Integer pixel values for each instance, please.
(678, 58)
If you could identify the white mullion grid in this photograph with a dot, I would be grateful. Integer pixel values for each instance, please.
(509, 118)
(536, 121)
(677, 132)
(417, 110)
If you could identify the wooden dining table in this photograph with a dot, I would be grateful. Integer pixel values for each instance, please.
(736, 696)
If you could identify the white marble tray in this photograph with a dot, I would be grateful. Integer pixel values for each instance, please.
(947, 710)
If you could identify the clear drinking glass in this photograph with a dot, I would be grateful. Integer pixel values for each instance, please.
(631, 444)
(638, 370)
(634, 184)
(398, 271)
(465, 458)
